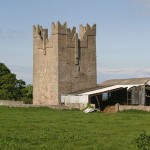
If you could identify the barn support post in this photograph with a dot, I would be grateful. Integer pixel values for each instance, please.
(127, 98)
(98, 101)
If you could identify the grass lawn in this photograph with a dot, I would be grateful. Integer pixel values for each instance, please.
(48, 129)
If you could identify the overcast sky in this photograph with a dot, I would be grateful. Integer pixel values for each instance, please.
(123, 33)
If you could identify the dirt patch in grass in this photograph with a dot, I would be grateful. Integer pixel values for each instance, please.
(109, 109)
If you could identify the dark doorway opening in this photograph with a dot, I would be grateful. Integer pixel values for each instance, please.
(95, 100)
(147, 96)
(103, 100)
(119, 96)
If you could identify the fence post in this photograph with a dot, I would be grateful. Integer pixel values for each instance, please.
(117, 107)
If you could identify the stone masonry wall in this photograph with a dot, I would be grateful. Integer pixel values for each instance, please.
(63, 63)
(45, 73)
(131, 107)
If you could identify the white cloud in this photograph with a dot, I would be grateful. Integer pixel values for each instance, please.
(122, 71)
(107, 73)
(22, 72)
(7, 34)
(143, 2)
(26, 73)
(1, 34)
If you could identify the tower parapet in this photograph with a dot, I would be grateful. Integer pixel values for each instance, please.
(42, 34)
(87, 30)
(58, 28)
(39, 31)
(71, 31)
(72, 37)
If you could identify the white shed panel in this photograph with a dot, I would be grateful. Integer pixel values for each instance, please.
(74, 99)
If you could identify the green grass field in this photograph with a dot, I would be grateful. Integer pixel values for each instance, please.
(48, 129)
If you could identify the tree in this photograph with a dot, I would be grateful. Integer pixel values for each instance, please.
(27, 94)
(10, 87)
(19, 87)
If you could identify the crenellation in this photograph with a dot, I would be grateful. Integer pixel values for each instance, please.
(58, 28)
(71, 32)
(91, 30)
(82, 31)
(84, 42)
(35, 33)
(87, 30)
(45, 34)
(71, 40)
(39, 31)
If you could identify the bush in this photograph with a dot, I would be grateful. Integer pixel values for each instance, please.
(27, 101)
(143, 141)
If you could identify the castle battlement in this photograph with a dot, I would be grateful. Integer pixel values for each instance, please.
(39, 31)
(58, 28)
(62, 29)
(87, 30)
(71, 31)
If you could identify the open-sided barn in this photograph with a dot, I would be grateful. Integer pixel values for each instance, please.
(135, 91)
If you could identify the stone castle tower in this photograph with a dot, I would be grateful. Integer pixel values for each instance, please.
(62, 63)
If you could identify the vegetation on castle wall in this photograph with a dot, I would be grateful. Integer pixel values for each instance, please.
(11, 88)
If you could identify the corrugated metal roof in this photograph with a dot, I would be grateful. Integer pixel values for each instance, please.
(83, 91)
(108, 89)
(112, 82)
(124, 81)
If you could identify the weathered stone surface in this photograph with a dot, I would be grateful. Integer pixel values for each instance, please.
(62, 63)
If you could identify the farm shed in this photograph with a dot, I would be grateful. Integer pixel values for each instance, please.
(134, 91)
